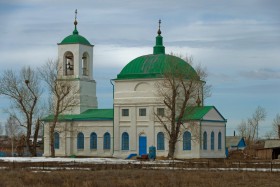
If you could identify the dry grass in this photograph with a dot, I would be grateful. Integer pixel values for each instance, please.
(130, 178)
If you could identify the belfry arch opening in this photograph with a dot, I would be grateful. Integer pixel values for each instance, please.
(85, 64)
(68, 63)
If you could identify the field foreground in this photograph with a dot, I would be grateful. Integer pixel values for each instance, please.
(118, 172)
(137, 178)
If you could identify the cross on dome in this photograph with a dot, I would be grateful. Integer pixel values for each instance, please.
(76, 23)
(76, 14)
(159, 31)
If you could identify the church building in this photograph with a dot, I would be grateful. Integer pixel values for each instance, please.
(132, 125)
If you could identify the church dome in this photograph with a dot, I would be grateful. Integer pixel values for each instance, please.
(75, 39)
(156, 64)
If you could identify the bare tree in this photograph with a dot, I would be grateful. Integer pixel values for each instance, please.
(23, 90)
(1, 128)
(13, 130)
(250, 129)
(242, 129)
(180, 87)
(276, 126)
(269, 135)
(258, 116)
(63, 95)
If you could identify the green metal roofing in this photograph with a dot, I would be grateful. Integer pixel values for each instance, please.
(88, 115)
(154, 66)
(198, 112)
(75, 38)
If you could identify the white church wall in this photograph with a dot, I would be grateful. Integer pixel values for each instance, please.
(88, 99)
(213, 115)
(136, 94)
(68, 138)
(194, 129)
(215, 127)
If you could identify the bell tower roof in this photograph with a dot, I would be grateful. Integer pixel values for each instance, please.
(75, 38)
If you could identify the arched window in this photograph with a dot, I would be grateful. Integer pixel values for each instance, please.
(187, 143)
(106, 141)
(56, 140)
(69, 63)
(219, 141)
(80, 140)
(125, 141)
(212, 140)
(205, 140)
(160, 141)
(93, 141)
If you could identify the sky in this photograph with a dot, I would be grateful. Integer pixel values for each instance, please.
(237, 41)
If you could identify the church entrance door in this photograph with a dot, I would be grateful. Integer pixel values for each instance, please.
(142, 145)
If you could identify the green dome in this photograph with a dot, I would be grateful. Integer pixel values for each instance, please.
(155, 66)
(75, 39)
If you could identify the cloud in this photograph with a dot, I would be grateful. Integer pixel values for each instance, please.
(261, 74)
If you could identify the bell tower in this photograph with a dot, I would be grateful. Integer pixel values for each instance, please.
(75, 56)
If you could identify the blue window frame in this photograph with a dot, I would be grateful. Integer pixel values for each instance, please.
(125, 141)
(212, 140)
(106, 141)
(205, 140)
(187, 143)
(56, 140)
(220, 141)
(160, 141)
(93, 141)
(80, 140)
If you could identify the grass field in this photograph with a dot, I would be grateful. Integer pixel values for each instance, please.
(143, 178)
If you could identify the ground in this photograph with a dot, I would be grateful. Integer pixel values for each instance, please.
(43, 171)
(143, 178)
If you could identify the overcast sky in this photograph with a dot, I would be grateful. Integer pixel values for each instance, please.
(237, 41)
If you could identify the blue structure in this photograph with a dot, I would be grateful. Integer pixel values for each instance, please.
(131, 155)
(187, 138)
(80, 141)
(235, 143)
(56, 140)
(160, 141)
(93, 141)
(107, 141)
(3, 154)
(142, 145)
(125, 141)
(152, 152)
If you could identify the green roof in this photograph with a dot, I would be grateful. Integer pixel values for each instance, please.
(88, 115)
(196, 113)
(75, 38)
(154, 66)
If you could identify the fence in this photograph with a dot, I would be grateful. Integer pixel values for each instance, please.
(227, 165)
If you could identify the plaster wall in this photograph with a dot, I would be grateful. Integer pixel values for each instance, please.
(68, 132)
